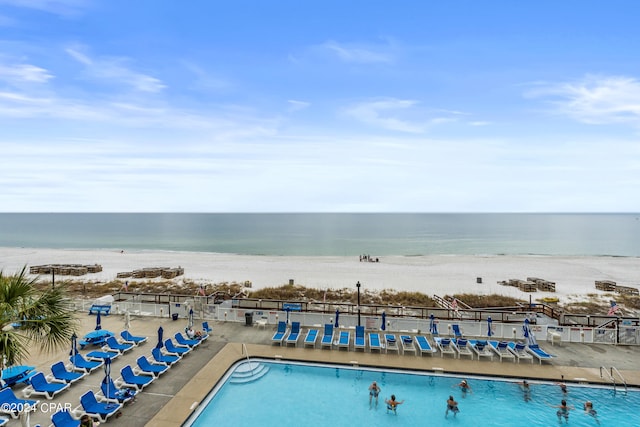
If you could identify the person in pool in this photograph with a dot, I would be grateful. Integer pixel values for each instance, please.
(464, 387)
(392, 404)
(526, 390)
(452, 406)
(374, 391)
(588, 409)
(563, 410)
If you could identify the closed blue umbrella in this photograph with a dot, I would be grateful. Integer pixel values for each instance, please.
(107, 373)
(526, 331)
(98, 325)
(433, 326)
(288, 310)
(337, 316)
(74, 345)
(489, 331)
(384, 321)
(160, 333)
(190, 318)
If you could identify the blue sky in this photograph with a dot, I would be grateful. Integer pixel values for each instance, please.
(319, 106)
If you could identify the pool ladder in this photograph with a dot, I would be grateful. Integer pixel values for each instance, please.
(612, 372)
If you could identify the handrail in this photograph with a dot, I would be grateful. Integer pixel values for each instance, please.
(611, 375)
(246, 352)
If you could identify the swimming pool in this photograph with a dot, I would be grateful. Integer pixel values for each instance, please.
(293, 394)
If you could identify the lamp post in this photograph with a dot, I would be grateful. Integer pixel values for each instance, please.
(53, 278)
(358, 286)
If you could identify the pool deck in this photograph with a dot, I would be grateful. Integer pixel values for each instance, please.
(175, 395)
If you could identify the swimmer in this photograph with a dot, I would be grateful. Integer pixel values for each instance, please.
(563, 410)
(464, 387)
(526, 390)
(374, 391)
(563, 386)
(588, 409)
(392, 404)
(452, 406)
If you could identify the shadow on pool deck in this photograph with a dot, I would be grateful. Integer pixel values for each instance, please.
(170, 399)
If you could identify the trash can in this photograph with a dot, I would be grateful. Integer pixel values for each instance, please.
(248, 317)
(174, 316)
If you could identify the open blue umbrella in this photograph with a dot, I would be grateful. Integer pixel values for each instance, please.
(190, 318)
(489, 331)
(384, 321)
(337, 316)
(160, 333)
(98, 325)
(433, 326)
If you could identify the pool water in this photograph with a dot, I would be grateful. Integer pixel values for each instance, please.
(292, 394)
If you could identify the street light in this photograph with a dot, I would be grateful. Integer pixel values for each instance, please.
(358, 286)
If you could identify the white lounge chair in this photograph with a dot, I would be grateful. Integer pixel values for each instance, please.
(294, 334)
(359, 342)
(374, 342)
(40, 386)
(463, 347)
(424, 347)
(391, 343)
(446, 347)
(278, 337)
(407, 344)
(481, 348)
(311, 338)
(344, 340)
(327, 336)
(539, 353)
(501, 348)
(520, 351)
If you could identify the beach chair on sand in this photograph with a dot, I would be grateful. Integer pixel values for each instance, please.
(327, 336)
(481, 348)
(311, 338)
(391, 343)
(520, 351)
(463, 347)
(501, 348)
(374, 342)
(359, 342)
(445, 346)
(423, 345)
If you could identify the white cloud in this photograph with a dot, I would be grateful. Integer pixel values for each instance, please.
(297, 105)
(19, 73)
(594, 99)
(396, 114)
(358, 54)
(56, 7)
(114, 70)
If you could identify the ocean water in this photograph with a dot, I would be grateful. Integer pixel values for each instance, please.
(339, 234)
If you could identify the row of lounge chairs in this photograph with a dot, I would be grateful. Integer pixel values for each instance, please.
(413, 344)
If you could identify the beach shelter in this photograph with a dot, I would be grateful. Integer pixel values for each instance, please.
(433, 326)
(526, 331)
(98, 321)
(489, 322)
(337, 316)
(160, 333)
(384, 321)
(190, 317)
(127, 320)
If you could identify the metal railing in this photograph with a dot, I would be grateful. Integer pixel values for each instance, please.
(611, 375)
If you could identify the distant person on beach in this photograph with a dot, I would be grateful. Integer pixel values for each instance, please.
(452, 406)
(374, 391)
(392, 404)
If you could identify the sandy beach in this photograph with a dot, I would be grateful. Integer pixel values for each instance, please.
(435, 274)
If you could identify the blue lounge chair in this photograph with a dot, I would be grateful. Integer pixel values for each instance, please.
(60, 373)
(358, 341)
(327, 336)
(100, 410)
(64, 419)
(110, 392)
(12, 405)
(501, 348)
(171, 348)
(294, 334)
(539, 353)
(132, 339)
(164, 359)
(40, 386)
(461, 345)
(391, 343)
(81, 364)
(183, 341)
(445, 346)
(520, 351)
(481, 348)
(344, 340)
(131, 380)
(280, 333)
(457, 333)
(311, 338)
(144, 366)
(206, 328)
(424, 347)
(114, 345)
(407, 344)
(374, 342)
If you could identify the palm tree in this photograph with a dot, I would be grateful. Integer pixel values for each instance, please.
(45, 318)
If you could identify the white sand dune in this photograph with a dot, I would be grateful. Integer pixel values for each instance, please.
(434, 274)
